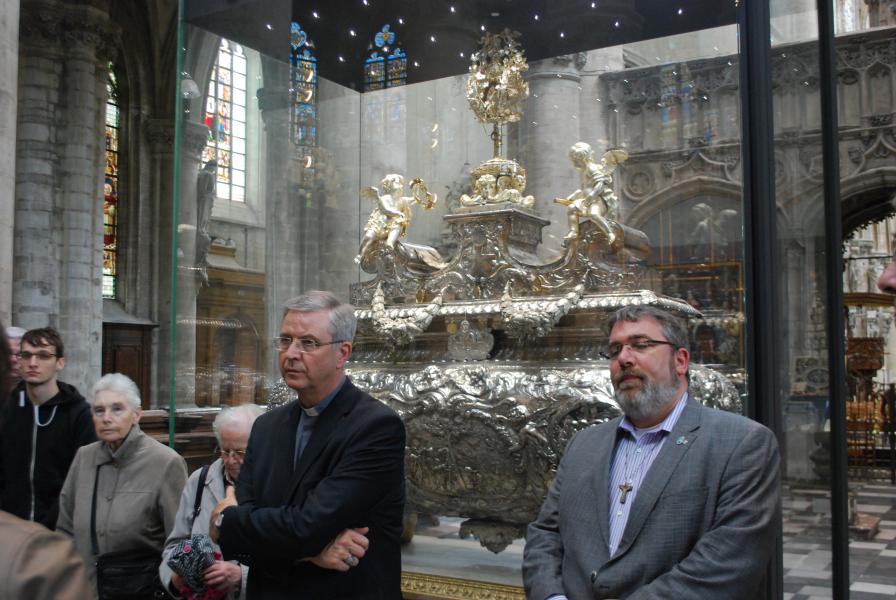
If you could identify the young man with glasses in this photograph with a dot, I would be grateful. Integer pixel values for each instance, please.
(321, 489)
(44, 423)
(671, 500)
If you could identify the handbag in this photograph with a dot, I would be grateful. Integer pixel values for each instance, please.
(124, 574)
(128, 574)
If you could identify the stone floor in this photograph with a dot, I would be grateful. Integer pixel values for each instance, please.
(807, 544)
(438, 550)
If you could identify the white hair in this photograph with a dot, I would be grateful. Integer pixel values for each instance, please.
(120, 384)
(15, 333)
(238, 416)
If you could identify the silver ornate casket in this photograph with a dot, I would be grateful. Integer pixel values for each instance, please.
(493, 362)
(491, 356)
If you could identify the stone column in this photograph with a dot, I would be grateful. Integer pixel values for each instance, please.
(86, 40)
(58, 233)
(550, 126)
(284, 235)
(9, 64)
(189, 272)
(35, 254)
(160, 134)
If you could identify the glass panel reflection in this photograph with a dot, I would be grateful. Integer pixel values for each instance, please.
(316, 157)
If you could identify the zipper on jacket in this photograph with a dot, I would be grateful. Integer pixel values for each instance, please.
(33, 459)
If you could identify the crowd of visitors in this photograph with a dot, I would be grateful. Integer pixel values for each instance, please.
(306, 501)
(311, 498)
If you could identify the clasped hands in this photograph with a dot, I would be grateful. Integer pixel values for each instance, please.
(343, 553)
(221, 575)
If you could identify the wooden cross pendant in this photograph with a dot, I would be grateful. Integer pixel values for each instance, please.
(625, 488)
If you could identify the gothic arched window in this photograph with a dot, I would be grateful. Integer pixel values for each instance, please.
(225, 117)
(387, 65)
(110, 189)
(303, 96)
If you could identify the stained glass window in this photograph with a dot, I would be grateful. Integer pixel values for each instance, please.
(387, 65)
(110, 189)
(303, 98)
(225, 118)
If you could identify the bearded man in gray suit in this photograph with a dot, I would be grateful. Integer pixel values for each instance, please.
(673, 500)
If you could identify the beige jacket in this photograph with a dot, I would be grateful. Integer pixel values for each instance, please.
(137, 495)
(39, 564)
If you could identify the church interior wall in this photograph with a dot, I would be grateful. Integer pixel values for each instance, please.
(9, 50)
(393, 130)
(297, 232)
(337, 183)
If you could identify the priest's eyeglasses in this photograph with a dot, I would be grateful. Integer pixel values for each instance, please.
(282, 343)
(638, 345)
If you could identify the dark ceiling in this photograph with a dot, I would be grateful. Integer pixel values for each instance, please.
(585, 25)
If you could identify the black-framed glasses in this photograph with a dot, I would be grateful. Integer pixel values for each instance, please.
(26, 356)
(639, 345)
(283, 342)
(240, 454)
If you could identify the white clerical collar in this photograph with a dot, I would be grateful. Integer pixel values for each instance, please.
(321, 406)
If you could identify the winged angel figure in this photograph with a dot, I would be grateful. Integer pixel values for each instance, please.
(595, 199)
(392, 211)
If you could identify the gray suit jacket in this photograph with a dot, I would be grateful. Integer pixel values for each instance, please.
(703, 524)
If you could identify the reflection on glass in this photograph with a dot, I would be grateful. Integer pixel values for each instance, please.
(308, 143)
(225, 120)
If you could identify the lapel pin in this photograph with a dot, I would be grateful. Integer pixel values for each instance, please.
(682, 440)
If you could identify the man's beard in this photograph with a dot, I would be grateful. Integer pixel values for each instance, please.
(649, 401)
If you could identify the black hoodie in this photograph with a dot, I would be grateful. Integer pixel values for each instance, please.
(35, 456)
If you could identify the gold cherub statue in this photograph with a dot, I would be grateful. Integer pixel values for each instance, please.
(484, 188)
(392, 211)
(595, 200)
(509, 189)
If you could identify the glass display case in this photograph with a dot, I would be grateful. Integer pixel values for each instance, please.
(485, 181)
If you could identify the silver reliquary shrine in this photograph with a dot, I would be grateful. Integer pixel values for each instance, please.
(490, 355)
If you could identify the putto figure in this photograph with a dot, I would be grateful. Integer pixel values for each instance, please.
(485, 189)
(392, 211)
(595, 199)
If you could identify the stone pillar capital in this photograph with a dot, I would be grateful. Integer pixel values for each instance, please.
(40, 21)
(160, 135)
(193, 138)
(53, 25)
(89, 27)
(159, 132)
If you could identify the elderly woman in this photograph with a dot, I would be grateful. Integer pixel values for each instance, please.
(133, 480)
(232, 427)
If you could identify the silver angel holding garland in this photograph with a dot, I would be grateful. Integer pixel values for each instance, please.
(392, 211)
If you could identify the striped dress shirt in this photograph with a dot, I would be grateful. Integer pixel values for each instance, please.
(636, 449)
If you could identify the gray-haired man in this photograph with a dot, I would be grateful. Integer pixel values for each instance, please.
(321, 491)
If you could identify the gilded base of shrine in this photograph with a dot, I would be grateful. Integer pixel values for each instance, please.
(417, 586)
